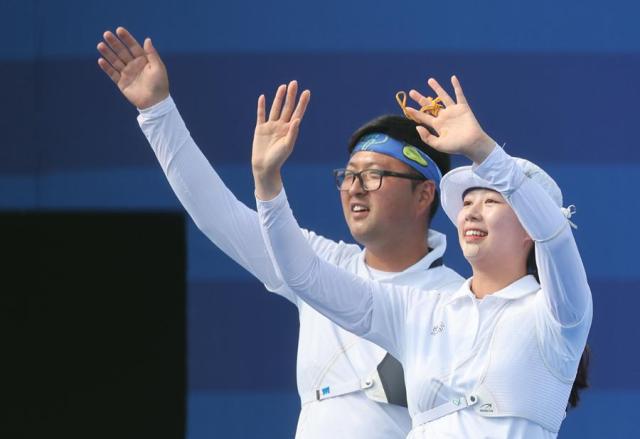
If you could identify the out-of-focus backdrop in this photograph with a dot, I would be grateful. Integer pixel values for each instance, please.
(556, 82)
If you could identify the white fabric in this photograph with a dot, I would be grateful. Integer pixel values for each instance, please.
(449, 343)
(327, 354)
(456, 182)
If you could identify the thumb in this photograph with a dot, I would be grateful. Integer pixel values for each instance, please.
(152, 53)
(427, 137)
(292, 135)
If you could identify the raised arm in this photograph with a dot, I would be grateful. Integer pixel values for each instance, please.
(142, 78)
(560, 269)
(375, 311)
(369, 309)
(562, 276)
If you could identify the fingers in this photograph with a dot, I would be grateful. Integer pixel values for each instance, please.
(419, 98)
(276, 106)
(442, 94)
(110, 71)
(421, 118)
(284, 113)
(287, 111)
(130, 42)
(302, 105)
(460, 98)
(116, 45)
(261, 110)
(110, 56)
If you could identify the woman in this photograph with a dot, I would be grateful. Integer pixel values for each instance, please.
(498, 357)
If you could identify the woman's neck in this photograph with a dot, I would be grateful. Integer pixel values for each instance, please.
(486, 282)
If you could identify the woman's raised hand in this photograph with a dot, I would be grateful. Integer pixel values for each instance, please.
(275, 137)
(458, 130)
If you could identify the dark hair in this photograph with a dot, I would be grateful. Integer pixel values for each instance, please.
(581, 381)
(403, 129)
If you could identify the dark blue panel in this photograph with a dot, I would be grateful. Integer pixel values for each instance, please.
(224, 414)
(17, 29)
(20, 148)
(241, 337)
(547, 107)
(614, 335)
(68, 27)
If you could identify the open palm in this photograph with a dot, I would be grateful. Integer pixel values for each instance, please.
(275, 137)
(458, 130)
(138, 72)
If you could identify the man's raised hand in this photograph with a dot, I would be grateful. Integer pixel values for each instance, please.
(138, 71)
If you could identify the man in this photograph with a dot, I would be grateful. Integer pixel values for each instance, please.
(349, 388)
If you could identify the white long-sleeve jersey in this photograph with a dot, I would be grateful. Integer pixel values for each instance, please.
(328, 356)
(516, 351)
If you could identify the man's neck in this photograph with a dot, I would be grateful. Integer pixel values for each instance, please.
(395, 257)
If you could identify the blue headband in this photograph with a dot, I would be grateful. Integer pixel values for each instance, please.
(412, 156)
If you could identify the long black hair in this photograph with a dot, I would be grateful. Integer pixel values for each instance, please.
(581, 381)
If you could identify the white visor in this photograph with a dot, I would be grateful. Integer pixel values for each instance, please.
(454, 184)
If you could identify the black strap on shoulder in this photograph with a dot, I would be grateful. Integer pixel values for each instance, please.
(437, 263)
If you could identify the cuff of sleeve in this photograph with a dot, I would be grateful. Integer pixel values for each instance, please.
(159, 109)
(501, 170)
(274, 203)
(494, 156)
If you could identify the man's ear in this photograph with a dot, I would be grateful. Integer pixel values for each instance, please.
(426, 192)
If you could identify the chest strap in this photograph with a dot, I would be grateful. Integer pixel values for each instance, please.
(389, 373)
(445, 409)
(335, 390)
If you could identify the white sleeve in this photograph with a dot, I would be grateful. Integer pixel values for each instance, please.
(564, 308)
(562, 275)
(227, 222)
(372, 310)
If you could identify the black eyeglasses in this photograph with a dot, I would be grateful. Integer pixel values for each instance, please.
(370, 179)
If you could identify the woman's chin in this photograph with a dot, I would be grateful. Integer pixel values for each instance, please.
(470, 251)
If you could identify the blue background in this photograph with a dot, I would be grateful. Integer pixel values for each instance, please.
(555, 81)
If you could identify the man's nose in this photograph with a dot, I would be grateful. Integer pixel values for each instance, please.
(356, 186)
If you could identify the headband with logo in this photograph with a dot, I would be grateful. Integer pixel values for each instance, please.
(409, 154)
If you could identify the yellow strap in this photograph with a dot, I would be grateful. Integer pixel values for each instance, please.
(432, 108)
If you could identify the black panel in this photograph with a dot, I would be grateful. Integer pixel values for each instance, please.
(94, 308)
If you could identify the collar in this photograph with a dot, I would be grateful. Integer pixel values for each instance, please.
(437, 243)
(522, 287)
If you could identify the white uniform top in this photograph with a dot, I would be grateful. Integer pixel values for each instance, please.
(328, 356)
(446, 342)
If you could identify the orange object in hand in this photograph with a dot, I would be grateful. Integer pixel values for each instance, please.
(433, 107)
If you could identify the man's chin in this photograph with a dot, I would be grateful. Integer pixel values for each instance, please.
(360, 234)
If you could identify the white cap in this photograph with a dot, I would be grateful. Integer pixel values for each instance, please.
(456, 182)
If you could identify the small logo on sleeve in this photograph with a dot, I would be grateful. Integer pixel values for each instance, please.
(437, 329)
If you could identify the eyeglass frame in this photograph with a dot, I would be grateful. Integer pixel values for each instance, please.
(380, 172)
